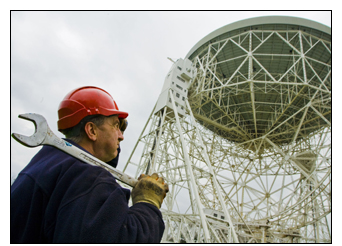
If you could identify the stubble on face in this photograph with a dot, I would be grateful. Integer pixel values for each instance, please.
(109, 137)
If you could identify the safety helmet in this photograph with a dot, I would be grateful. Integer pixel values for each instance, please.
(84, 101)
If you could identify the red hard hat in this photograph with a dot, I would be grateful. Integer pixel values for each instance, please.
(84, 101)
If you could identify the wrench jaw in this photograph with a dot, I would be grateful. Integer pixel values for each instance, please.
(39, 135)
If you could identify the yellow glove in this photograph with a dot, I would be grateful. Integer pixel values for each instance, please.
(151, 189)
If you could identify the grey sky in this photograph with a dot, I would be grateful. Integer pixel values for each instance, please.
(123, 52)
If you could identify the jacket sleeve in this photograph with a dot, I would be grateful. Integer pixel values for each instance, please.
(101, 215)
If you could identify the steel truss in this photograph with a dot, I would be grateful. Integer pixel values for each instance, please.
(251, 159)
(189, 174)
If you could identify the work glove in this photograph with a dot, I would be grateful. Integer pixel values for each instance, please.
(151, 189)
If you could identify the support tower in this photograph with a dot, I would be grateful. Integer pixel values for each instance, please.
(241, 132)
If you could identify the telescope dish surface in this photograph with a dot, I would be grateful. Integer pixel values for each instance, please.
(263, 76)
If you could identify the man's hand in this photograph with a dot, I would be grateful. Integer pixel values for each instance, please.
(151, 189)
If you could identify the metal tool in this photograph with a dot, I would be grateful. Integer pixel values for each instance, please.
(44, 136)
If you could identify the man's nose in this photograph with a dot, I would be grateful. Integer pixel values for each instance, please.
(121, 137)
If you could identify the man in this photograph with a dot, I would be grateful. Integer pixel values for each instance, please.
(60, 199)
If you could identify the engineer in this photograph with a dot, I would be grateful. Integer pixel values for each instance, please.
(57, 198)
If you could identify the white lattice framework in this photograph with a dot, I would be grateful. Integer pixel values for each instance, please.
(250, 160)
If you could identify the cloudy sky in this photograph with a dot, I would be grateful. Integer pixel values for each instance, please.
(123, 52)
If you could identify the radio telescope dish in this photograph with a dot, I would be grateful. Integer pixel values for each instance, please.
(256, 77)
(241, 132)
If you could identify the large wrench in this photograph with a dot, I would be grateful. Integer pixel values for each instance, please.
(44, 136)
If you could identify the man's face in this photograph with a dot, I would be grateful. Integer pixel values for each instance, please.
(109, 138)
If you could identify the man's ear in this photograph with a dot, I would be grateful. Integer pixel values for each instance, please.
(91, 130)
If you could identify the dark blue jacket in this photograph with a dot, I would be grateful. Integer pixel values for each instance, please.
(59, 199)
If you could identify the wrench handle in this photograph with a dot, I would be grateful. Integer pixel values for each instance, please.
(72, 150)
